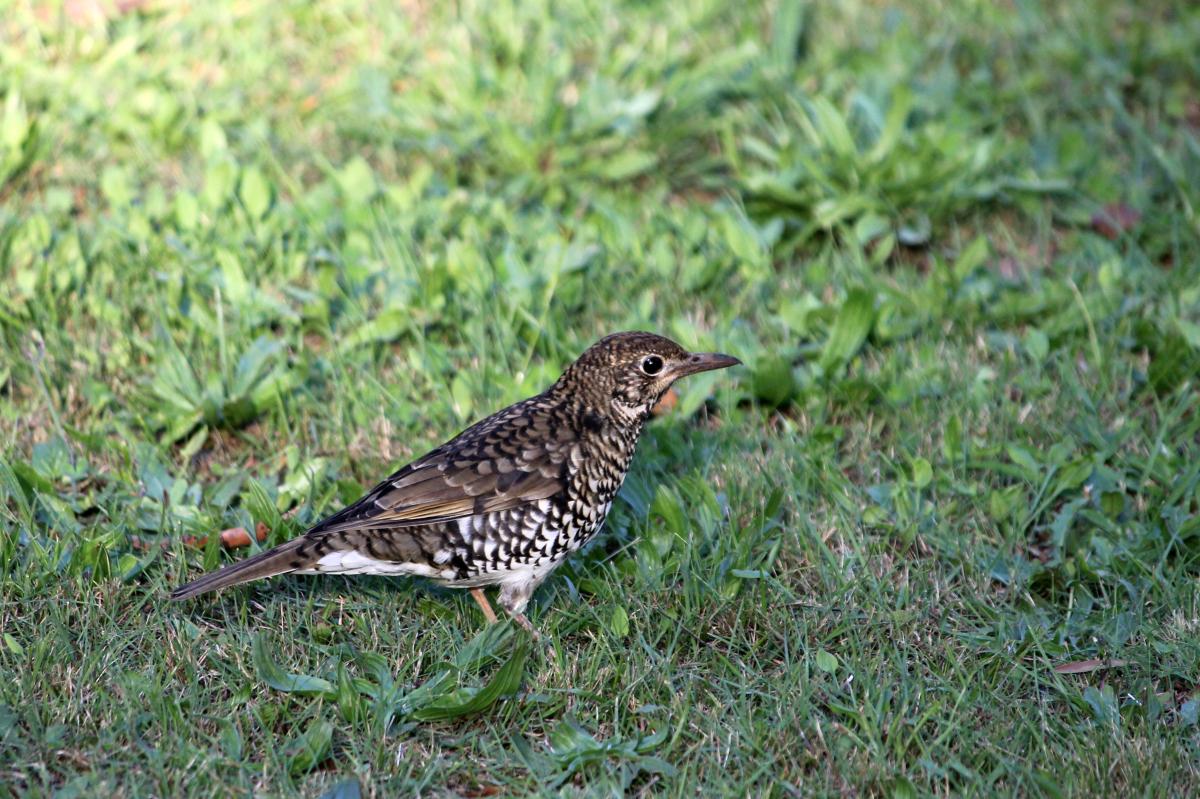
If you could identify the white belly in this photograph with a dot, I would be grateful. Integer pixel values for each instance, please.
(350, 562)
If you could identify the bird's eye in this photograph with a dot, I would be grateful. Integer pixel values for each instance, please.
(652, 364)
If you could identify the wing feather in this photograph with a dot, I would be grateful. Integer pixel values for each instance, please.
(494, 466)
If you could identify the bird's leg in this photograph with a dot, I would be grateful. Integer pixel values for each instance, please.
(481, 599)
(513, 598)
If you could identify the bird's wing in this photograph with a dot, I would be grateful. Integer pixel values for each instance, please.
(498, 465)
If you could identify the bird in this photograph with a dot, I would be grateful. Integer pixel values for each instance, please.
(507, 500)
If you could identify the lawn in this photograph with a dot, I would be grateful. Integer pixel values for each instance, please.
(939, 536)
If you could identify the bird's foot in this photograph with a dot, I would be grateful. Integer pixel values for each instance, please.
(523, 622)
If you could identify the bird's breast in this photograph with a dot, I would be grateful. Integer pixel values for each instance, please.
(538, 535)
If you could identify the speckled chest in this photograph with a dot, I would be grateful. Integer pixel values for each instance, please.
(540, 535)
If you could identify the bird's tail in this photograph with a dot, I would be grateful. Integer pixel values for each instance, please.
(280, 560)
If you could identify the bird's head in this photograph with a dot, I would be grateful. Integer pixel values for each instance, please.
(625, 375)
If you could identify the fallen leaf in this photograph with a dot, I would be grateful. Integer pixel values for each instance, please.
(1009, 268)
(1114, 219)
(481, 791)
(1087, 666)
(235, 537)
(238, 537)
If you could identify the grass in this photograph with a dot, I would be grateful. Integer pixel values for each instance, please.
(255, 255)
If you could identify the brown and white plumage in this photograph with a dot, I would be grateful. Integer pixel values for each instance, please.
(508, 499)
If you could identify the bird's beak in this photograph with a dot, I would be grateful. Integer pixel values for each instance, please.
(704, 362)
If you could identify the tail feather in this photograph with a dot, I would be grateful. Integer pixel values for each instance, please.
(280, 560)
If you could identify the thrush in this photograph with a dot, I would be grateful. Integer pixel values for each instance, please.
(507, 500)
